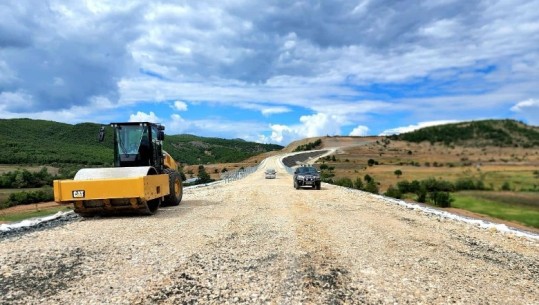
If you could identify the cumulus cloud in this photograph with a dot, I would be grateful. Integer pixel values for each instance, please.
(180, 106)
(409, 128)
(144, 117)
(360, 130)
(365, 58)
(525, 105)
(529, 109)
(319, 124)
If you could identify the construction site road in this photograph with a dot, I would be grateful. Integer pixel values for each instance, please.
(260, 241)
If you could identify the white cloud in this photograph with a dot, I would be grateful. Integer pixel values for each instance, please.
(274, 110)
(360, 130)
(280, 132)
(525, 105)
(529, 109)
(16, 101)
(365, 59)
(409, 128)
(319, 124)
(144, 117)
(180, 106)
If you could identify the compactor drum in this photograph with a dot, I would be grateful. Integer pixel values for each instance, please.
(143, 178)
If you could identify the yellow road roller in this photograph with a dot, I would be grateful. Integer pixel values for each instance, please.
(144, 176)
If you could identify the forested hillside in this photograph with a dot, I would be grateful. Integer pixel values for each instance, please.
(503, 133)
(26, 141)
(192, 149)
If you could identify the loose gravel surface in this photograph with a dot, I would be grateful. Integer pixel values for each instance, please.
(257, 241)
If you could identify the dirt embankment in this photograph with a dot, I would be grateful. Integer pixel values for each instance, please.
(257, 241)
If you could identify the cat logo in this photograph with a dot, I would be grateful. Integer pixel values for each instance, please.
(78, 194)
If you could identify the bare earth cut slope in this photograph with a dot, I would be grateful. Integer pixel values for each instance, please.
(258, 241)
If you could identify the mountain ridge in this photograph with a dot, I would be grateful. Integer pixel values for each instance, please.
(28, 141)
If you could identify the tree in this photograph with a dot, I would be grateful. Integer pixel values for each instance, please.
(393, 192)
(358, 184)
(506, 186)
(203, 176)
(372, 187)
(345, 181)
(398, 173)
(371, 162)
(441, 199)
(367, 178)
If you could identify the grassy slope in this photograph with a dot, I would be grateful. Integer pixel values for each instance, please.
(31, 213)
(507, 206)
(505, 133)
(26, 141)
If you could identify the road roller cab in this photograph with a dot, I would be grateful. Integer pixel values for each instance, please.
(143, 178)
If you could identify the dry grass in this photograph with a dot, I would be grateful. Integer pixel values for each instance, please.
(493, 164)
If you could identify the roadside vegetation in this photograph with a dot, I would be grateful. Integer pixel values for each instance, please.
(464, 163)
(519, 207)
(21, 186)
(31, 213)
(309, 146)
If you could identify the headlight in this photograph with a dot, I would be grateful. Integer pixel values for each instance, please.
(301, 177)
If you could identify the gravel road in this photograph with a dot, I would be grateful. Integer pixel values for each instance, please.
(257, 241)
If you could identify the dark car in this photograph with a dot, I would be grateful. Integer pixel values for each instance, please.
(306, 176)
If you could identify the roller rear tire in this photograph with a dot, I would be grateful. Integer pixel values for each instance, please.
(176, 188)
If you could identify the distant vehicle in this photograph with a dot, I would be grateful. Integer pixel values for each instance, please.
(270, 173)
(306, 176)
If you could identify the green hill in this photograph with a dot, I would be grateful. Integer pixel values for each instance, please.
(503, 133)
(26, 141)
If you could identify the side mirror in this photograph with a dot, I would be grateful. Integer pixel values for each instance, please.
(295, 172)
(161, 135)
(101, 135)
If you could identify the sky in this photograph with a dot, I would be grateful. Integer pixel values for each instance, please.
(270, 71)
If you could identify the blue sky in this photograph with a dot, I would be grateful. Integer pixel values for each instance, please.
(271, 71)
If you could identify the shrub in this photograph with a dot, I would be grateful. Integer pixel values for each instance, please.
(433, 185)
(20, 198)
(421, 194)
(367, 178)
(415, 186)
(25, 179)
(371, 187)
(393, 192)
(398, 173)
(345, 181)
(371, 162)
(203, 176)
(465, 184)
(309, 146)
(441, 199)
(506, 186)
(404, 186)
(358, 184)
